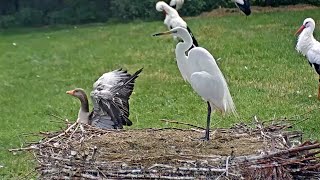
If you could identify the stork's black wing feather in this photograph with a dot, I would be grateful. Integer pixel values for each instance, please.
(195, 42)
(245, 7)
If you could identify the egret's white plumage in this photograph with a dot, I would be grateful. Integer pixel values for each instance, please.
(177, 4)
(173, 19)
(244, 6)
(308, 46)
(200, 69)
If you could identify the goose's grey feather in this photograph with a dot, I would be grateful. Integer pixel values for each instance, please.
(110, 98)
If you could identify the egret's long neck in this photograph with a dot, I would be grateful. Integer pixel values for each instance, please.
(182, 59)
(83, 115)
(305, 41)
(184, 46)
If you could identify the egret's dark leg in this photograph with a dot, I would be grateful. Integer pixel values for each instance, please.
(206, 137)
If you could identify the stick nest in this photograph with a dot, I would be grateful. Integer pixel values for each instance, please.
(263, 150)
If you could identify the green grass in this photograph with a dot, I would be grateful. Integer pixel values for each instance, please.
(258, 59)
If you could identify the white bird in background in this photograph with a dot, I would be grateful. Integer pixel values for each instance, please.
(200, 69)
(173, 19)
(176, 4)
(244, 6)
(308, 46)
(110, 98)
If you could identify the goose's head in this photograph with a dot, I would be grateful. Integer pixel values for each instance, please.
(78, 93)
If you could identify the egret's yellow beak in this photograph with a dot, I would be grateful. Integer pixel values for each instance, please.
(70, 92)
(162, 33)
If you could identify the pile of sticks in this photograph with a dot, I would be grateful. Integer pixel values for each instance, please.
(302, 162)
(68, 155)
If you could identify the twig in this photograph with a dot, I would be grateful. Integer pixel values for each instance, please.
(183, 123)
(23, 149)
(227, 166)
(168, 128)
(58, 117)
(297, 149)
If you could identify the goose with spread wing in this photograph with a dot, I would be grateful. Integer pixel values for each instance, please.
(110, 98)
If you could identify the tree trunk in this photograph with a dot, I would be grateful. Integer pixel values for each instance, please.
(16, 5)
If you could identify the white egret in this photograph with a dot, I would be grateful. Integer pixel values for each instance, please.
(244, 6)
(176, 4)
(110, 98)
(308, 46)
(172, 19)
(200, 69)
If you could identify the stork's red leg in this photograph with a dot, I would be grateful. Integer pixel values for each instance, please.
(319, 89)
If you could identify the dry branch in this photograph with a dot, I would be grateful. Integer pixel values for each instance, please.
(183, 123)
(172, 153)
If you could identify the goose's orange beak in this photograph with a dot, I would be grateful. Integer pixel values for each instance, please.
(70, 92)
(300, 30)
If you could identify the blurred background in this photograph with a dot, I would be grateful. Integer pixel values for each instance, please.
(49, 12)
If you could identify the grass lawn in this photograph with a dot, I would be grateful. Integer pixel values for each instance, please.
(267, 77)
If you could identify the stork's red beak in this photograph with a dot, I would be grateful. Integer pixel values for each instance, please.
(300, 30)
(70, 92)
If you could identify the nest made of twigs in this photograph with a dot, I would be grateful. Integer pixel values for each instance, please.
(260, 151)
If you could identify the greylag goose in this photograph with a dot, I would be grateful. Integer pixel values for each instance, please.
(200, 69)
(110, 97)
(172, 19)
(308, 46)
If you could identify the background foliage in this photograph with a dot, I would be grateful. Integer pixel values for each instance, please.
(48, 12)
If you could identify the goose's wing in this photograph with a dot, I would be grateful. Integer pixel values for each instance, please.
(111, 78)
(105, 82)
(112, 98)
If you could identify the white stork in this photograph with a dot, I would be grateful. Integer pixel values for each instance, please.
(176, 4)
(172, 19)
(244, 6)
(308, 46)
